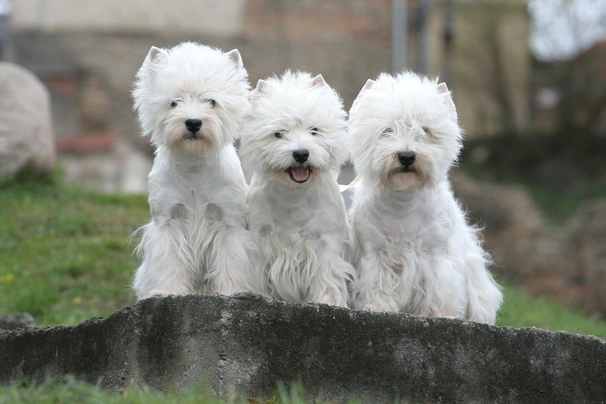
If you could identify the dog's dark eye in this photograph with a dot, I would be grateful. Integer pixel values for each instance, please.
(387, 131)
(314, 131)
(278, 135)
(173, 103)
(211, 102)
(425, 129)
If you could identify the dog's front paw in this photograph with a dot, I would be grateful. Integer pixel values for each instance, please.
(333, 300)
(381, 307)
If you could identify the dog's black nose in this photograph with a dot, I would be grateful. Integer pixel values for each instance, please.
(193, 125)
(301, 155)
(406, 158)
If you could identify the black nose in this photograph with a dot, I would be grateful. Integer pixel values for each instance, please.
(406, 158)
(301, 155)
(193, 125)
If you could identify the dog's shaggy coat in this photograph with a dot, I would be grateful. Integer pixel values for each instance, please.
(413, 249)
(191, 99)
(293, 144)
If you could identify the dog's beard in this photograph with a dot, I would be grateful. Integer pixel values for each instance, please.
(399, 178)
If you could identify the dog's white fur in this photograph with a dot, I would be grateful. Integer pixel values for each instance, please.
(413, 249)
(197, 191)
(301, 227)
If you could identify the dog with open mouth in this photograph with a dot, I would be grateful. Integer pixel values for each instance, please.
(293, 147)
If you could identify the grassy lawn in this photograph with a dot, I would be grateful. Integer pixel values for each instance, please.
(65, 256)
(72, 391)
(64, 253)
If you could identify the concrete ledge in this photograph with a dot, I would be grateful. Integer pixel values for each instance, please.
(246, 343)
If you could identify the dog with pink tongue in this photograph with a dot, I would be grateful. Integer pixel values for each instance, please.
(293, 145)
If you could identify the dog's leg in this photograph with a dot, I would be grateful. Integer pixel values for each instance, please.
(231, 264)
(330, 286)
(375, 288)
(484, 295)
(167, 267)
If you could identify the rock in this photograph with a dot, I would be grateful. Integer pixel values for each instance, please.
(14, 321)
(26, 132)
(586, 242)
(246, 343)
(565, 264)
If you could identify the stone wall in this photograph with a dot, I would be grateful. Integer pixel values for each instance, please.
(245, 344)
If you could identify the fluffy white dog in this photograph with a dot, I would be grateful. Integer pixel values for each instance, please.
(293, 145)
(191, 99)
(413, 248)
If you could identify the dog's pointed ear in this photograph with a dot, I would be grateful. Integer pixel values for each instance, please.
(154, 55)
(318, 81)
(234, 56)
(368, 85)
(443, 89)
(262, 86)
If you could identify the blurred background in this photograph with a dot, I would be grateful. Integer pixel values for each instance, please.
(528, 79)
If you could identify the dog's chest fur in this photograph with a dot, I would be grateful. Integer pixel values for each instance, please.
(395, 221)
(188, 193)
(291, 216)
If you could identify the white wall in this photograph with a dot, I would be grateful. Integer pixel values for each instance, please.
(220, 17)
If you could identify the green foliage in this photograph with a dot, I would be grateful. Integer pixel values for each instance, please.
(560, 171)
(65, 253)
(521, 310)
(72, 391)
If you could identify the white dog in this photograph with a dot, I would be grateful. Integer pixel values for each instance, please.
(293, 145)
(413, 248)
(191, 99)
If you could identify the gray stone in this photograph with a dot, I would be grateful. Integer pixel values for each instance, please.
(246, 343)
(14, 321)
(26, 132)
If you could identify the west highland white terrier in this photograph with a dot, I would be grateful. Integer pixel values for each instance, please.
(293, 145)
(413, 248)
(191, 99)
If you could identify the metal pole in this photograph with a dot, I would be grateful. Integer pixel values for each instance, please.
(399, 27)
(448, 37)
(423, 37)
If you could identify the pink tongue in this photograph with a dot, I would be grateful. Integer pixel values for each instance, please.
(300, 173)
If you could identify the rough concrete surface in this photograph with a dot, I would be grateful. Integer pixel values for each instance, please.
(246, 343)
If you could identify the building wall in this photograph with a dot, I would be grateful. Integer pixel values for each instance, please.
(136, 16)
(348, 41)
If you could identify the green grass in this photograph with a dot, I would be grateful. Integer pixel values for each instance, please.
(521, 310)
(73, 391)
(65, 253)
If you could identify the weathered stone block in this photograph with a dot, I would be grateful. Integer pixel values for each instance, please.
(246, 343)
